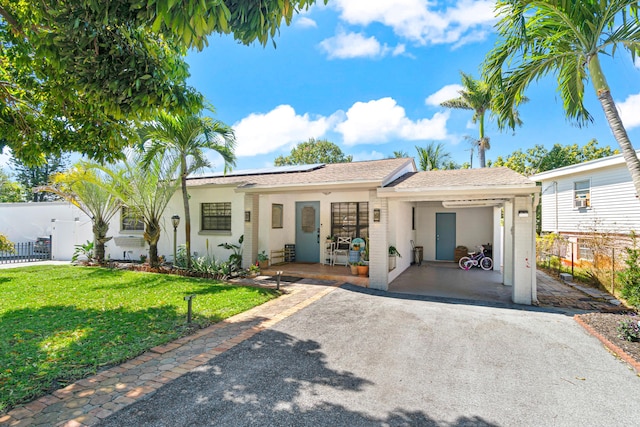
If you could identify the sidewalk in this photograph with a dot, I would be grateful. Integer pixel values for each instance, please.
(555, 293)
(86, 401)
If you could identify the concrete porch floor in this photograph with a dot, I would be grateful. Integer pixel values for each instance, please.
(338, 273)
(446, 279)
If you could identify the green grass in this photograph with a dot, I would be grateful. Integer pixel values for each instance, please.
(61, 323)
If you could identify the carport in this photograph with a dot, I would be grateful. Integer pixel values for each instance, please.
(440, 210)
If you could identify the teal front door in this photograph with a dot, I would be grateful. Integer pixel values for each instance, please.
(445, 236)
(308, 231)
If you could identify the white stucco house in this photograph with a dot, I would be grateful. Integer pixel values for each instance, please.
(595, 197)
(388, 201)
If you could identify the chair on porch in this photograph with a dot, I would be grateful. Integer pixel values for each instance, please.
(342, 249)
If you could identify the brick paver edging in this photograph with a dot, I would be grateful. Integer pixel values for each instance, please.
(611, 346)
(85, 402)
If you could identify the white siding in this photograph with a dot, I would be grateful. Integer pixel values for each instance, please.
(614, 205)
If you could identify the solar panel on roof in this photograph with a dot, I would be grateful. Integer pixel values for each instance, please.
(264, 171)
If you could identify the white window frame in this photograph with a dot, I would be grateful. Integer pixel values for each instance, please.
(582, 196)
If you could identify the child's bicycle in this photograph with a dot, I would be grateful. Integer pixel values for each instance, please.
(476, 259)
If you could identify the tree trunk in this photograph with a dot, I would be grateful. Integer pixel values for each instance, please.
(100, 229)
(152, 235)
(187, 212)
(620, 134)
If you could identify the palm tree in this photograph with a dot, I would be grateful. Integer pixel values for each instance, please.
(184, 139)
(433, 157)
(480, 97)
(90, 191)
(566, 38)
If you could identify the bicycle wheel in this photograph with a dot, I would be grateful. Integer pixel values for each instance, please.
(486, 263)
(463, 261)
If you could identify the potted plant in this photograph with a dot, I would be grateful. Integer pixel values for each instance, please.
(263, 260)
(254, 270)
(393, 253)
(365, 252)
(363, 269)
(354, 268)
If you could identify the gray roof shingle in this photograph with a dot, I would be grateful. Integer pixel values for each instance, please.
(484, 177)
(374, 172)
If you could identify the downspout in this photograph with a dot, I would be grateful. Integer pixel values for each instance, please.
(555, 191)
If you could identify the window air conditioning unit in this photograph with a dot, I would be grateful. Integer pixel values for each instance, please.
(581, 203)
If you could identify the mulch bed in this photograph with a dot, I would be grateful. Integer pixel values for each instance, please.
(605, 327)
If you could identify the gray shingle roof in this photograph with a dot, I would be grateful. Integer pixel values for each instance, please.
(484, 177)
(373, 172)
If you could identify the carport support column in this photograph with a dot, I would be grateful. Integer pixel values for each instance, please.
(524, 259)
(507, 268)
(250, 242)
(378, 244)
(497, 238)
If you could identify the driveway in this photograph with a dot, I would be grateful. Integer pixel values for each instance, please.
(362, 358)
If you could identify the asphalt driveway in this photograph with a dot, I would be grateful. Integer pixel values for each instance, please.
(361, 358)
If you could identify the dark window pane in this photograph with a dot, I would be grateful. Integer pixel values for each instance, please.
(216, 216)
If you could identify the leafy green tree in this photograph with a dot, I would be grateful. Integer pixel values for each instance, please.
(537, 38)
(10, 191)
(312, 151)
(434, 157)
(81, 71)
(539, 159)
(31, 177)
(480, 97)
(184, 140)
(89, 190)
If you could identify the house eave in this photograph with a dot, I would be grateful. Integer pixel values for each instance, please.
(458, 193)
(315, 187)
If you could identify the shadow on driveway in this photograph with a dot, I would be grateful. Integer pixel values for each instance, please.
(272, 379)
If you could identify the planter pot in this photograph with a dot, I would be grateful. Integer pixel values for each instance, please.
(354, 270)
(363, 270)
(392, 262)
(263, 264)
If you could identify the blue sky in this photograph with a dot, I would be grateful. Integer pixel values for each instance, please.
(369, 75)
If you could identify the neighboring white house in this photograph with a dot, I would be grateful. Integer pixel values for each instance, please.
(591, 198)
(388, 201)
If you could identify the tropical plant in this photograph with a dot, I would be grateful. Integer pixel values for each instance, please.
(393, 251)
(90, 190)
(262, 256)
(184, 139)
(235, 259)
(433, 157)
(537, 38)
(84, 250)
(480, 97)
(312, 151)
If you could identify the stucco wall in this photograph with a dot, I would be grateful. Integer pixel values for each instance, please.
(474, 226)
(400, 235)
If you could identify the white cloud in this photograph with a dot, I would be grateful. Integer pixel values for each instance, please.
(280, 127)
(421, 21)
(352, 45)
(5, 157)
(629, 111)
(444, 94)
(399, 50)
(380, 120)
(305, 22)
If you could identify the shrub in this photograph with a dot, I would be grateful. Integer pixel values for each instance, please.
(85, 250)
(629, 330)
(630, 277)
(6, 245)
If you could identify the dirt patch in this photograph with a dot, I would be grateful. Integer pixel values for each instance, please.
(606, 325)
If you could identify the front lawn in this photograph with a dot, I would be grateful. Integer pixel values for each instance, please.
(61, 323)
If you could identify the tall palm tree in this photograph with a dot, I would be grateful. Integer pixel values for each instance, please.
(433, 157)
(90, 191)
(185, 139)
(566, 38)
(480, 97)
